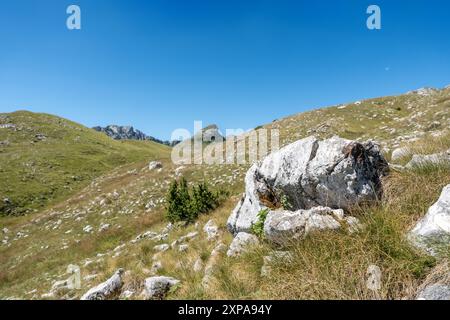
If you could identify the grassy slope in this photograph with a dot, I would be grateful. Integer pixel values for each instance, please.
(330, 265)
(34, 173)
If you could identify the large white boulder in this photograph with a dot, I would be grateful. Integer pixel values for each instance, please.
(335, 173)
(432, 232)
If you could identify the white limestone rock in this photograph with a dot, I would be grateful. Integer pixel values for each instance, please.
(157, 287)
(337, 173)
(435, 292)
(241, 243)
(417, 161)
(211, 230)
(107, 289)
(432, 232)
(283, 226)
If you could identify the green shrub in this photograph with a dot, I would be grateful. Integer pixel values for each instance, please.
(178, 201)
(258, 226)
(183, 204)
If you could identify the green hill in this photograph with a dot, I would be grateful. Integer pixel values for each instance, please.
(44, 158)
(107, 224)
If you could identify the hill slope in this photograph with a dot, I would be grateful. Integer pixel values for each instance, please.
(104, 226)
(44, 158)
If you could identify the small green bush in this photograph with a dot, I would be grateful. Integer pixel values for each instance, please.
(258, 226)
(183, 204)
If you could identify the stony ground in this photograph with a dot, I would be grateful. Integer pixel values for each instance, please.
(117, 220)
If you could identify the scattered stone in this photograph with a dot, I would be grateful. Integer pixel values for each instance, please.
(104, 227)
(183, 247)
(198, 265)
(145, 235)
(107, 289)
(211, 230)
(153, 165)
(432, 232)
(189, 236)
(399, 153)
(88, 229)
(40, 137)
(162, 247)
(168, 228)
(241, 243)
(158, 287)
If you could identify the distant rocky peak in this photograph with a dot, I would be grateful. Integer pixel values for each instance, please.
(122, 132)
(129, 133)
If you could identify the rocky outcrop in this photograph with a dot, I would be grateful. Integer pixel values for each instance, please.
(129, 133)
(107, 289)
(241, 243)
(334, 173)
(156, 288)
(432, 233)
(122, 132)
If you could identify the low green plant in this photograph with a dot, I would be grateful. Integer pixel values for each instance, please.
(258, 226)
(285, 203)
(186, 205)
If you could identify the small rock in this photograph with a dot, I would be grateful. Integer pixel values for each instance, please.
(241, 243)
(399, 153)
(153, 165)
(104, 227)
(161, 247)
(198, 265)
(183, 247)
(158, 287)
(211, 230)
(88, 229)
(189, 236)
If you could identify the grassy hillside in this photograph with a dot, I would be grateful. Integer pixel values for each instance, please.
(44, 158)
(37, 248)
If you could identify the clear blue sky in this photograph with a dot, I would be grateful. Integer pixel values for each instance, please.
(161, 64)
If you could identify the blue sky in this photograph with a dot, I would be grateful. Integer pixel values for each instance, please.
(161, 64)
